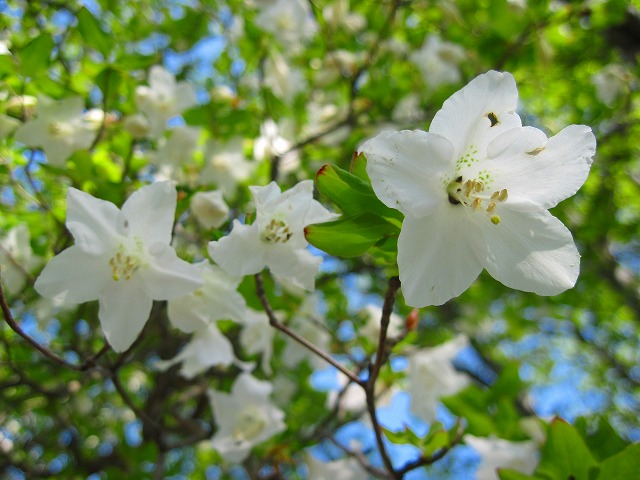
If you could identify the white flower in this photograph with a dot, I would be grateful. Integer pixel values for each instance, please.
(245, 417)
(217, 299)
(431, 376)
(271, 143)
(291, 21)
(175, 152)
(276, 238)
(339, 17)
(225, 165)
(198, 312)
(498, 453)
(257, 337)
(121, 257)
(208, 348)
(284, 81)
(137, 125)
(407, 110)
(163, 99)
(16, 258)
(59, 128)
(438, 61)
(371, 329)
(343, 469)
(209, 208)
(475, 191)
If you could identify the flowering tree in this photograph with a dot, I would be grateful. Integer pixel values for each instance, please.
(284, 209)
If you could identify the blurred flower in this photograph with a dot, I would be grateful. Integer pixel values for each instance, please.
(407, 110)
(271, 143)
(475, 192)
(59, 128)
(208, 348)
(209, 208)
(217, 299)
(498, 453)
(257, 336)
(431, 376)
(121, 257)
(371, 329)
(137, 125)
(438, 61)
(225, 165)
(284, 81)
(276, 238)
(290, 21)
(17, 258)
(344, 469)
(163, 99)
(611, 82)
(245, 417)
(175, 153)
(339, 16)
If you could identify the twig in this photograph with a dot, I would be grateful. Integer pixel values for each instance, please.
(374, 370)
(275, 323)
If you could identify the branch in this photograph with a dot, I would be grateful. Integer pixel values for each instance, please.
(374, 370)
(275, 323)
(428, 460)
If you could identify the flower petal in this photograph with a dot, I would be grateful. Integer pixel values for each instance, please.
(542, 171)
(150, 212)
(94, 223)
(465, 117)
(207, 348)
(124, 310)
(167, 276)
(294, 266)
(241, 252)
(407, 169)
(74, 276)
(531, 251)
(437, 256)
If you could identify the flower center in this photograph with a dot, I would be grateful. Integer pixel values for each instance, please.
(60, 129)
(276, 231)
(124, 263)
(250, 423)
(471, 193)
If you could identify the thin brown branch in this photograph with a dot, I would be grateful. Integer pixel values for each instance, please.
(374, 370)
(275, 323)
(8, 316)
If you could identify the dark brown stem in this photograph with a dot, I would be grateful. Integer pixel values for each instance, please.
(374, 370)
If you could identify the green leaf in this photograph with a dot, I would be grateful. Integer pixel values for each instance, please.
(35, 56)
(622, 465)
(403, 437)
(352, 194)
(108, 80)
(604, 441)
(565, 454)
(507, 474)
(92, 33)
(351, 236)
